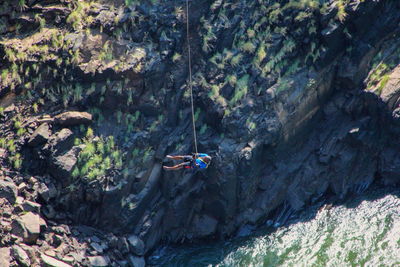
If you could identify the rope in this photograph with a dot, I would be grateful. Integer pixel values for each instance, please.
(190, 75)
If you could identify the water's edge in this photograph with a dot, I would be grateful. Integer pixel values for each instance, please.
(361, 231)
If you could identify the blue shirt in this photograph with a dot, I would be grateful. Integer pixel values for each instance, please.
(201, 164)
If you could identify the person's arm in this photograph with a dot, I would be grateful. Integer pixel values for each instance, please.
(198, 155)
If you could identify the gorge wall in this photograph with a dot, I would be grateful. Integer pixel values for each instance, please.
(294, 100)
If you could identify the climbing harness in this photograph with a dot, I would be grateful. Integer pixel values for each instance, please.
(190, 75)
(193, 164)
(203, 162)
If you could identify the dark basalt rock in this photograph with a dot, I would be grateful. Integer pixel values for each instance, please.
(27, 226)
(287, 141)
(73, 118)
(61, 141)
(136, 245)
(40, 136)
(8, 190)
(61, 165)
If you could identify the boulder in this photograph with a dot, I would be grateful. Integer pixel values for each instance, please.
(106, 18)
(99, 261)
(136, 245)
(28, 227)
(50, 253)
(96, 246)
(62, 165)
(21, 256)
(68, 259)
(40, 135)
(21, 188)
(47, 191)
(136, 261)
(54, 13)
(31, 206)
(8, 190)
(75, 39)
(52, 262)
(72, 118)
(78, 256)
(391, 92)
(5, 257)
(62, 141)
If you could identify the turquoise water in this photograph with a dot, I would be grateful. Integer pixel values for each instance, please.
(364, 231)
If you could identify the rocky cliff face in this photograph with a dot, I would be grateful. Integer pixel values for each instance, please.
(294, 100)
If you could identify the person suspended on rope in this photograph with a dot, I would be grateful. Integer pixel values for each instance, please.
(194, 161)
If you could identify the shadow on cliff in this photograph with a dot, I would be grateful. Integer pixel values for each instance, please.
(361, 164)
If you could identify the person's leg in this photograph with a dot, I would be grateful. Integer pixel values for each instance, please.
(176, 167)
(179, 157)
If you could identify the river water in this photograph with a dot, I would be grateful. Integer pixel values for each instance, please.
(362, 231)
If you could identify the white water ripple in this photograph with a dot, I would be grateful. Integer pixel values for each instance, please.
(367, 235)
(359, 233)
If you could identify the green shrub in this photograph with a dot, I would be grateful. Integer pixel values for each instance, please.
(235, 61)
(89, 132)
(248, 47)
(197, 114)
(21, 131)
(377, 74)
(240, 89)
(17, 161)
(209, 36)
(231, 79)
(76, 57)
(283, 84)
(21, 4)
(110, 144)
(382, 83)
(3, 142)
(261, 54)
(251, 125)
(10, 54)
(77, 94)
(302, 16)
(275, 13)
(75, 17)
(203, 129)
(97, 158)
(11, 146)
(100, 147)
(251, 33)
(214, 90)
(75, 173)
(4, 75)
(341, 10)
(107, 52)
(131, 2)
(107, 163)
(176, 57)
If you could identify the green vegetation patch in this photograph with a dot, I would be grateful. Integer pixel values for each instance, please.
(241, 89)
(97, 158)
